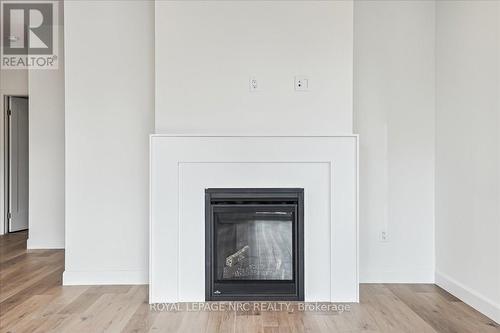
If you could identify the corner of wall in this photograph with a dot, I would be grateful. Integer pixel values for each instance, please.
(470, 296)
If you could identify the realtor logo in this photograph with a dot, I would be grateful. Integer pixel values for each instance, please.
(29, 34)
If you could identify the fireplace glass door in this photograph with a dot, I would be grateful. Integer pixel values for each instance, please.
(254, 244)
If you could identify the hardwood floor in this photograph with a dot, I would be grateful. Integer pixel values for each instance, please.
(33, 300)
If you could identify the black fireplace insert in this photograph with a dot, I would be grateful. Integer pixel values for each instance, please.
(254, 244)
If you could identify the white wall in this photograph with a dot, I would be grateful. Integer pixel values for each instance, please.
(394, 106)
(109, 115)
(394, 115)
(12, 82)
(46, 153)
(206, 52)
(109, 112)
(468, 152)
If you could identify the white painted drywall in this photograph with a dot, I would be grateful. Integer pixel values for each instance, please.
(206, 51)
(46, 152)
(109, 116)
(12, 82)
(468, 152)
(394, 116)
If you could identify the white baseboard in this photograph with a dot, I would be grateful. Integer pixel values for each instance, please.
(469, 296)
(30, 245)
(414, 276)
(74, 278)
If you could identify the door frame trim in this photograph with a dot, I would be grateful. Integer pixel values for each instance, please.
(6, 160)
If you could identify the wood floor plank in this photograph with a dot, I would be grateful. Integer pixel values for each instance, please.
(38, 287)
(167, 322)
(45, 318)
(390, 313)
(33, 300)
(142, 319)
(439, 312)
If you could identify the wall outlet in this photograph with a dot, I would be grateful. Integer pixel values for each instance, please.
(302, 83)
(253, 84)
(384, 236)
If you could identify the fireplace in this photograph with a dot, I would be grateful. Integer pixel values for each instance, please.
(182, 224)
(254, 244)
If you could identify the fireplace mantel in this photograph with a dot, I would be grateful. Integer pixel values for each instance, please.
(183, 166)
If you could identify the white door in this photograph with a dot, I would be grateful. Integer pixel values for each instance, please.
(18, 164)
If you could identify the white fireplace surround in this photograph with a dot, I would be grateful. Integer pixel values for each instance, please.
(183, 166)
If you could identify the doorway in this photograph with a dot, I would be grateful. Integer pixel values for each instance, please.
(16, 117)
